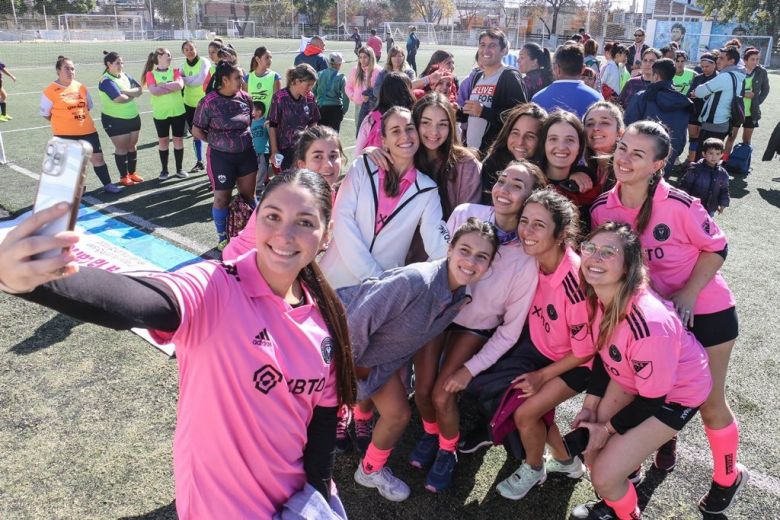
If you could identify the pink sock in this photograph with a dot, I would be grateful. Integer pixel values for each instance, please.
(375, 459)
(360, 415)
(627, 507)
(448, 444)
(431, 428)
(723, 444)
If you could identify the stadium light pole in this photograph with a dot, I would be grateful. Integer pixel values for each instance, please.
(186, 21)
(13, 8)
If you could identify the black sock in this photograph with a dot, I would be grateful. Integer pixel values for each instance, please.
(178, 156)
(2, 107)
(164, 160)
(132, 159)
(121, 164)
(102, 173)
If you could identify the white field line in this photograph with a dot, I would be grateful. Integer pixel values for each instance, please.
(144, 224)
(49, 126)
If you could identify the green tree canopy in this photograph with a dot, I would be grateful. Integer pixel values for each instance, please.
(763, 16)
(54, 7)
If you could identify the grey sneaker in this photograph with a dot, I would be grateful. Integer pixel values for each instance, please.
(519, 483)
(576, 469)
(388, 485)
(164, 175)
(181, 174)
(112, 188)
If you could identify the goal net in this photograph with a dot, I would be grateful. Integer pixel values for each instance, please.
(240, 29)
(101, 27)
(399, 31)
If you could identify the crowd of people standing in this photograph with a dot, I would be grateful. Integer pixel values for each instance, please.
(517, 241)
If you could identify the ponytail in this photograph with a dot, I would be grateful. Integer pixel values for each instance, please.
(150, 63)
(646, 211)
(335, 319)
(546, 64)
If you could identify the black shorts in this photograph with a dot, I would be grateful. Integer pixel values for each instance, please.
(224, 167)
(92, 139)
(482, 333)
(675, 415)
(116, 126)
(189, 115)
(174, 124)
(749, 123)
(716, 328)
(694, 120)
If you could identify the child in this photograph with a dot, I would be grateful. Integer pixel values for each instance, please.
(707, 180)
(260, 143)
(3, 94)
(330, 92)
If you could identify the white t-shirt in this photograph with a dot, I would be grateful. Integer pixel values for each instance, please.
(482, 91)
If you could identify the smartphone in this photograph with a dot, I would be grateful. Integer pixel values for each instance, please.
(62, 180)
(569, 185)
(576, 441)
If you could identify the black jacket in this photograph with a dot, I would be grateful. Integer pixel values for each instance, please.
(760, 91)
(510, 92)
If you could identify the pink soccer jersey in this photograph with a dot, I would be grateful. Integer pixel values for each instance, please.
(251, 371)
(679, 230)
(244, 241)
(651, 354)
(558, 321)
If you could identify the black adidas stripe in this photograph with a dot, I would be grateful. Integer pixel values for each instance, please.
(642, 320)
(573, 291)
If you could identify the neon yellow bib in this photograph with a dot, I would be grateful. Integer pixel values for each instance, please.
(262, 88)
(119, 110)
(166, 105)
(192, 94)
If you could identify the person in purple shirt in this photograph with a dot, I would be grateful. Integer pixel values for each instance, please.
(222, 119)
(568, 92)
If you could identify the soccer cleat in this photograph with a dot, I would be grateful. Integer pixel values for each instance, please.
(135, 177)
(424, 453)
(719, 498)
(112, 188)
(666, 456)
(127, 181)
(388, 485)
(474, 439)
(198, 167)
(363, 432)
(575, 469)
(164, 175)
(519, 483)
(181, 174)
(222, 241)
(440, 475)
(594, 511)
(343, 441)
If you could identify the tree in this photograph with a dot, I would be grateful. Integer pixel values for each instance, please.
(432, 11)
(760, 15)
(315, 10)
(553, 5)
(55, 7)
(272, 13)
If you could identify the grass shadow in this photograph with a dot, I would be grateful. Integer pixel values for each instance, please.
(738, 187)
(771, 196)
(57, 329)
(652, 479)
(162, 513)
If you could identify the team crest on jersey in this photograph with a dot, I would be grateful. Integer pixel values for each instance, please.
(231, 269)
(266, 378)
(642, 369)
(661, 232)
(326, 348)
(551, 312)
(614, 353)
(579, 331)
(706, 226)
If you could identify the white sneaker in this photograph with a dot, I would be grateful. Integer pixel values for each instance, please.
(521, 482)
(576, 469)
(388, 485)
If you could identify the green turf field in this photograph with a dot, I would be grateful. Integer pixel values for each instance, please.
(87, 415)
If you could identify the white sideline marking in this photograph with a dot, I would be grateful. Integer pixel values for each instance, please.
(49, 126)
(144, 224)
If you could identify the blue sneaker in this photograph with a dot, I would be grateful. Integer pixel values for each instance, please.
(425, 452)
(440, 476)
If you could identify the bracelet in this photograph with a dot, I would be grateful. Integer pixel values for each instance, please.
(606, 428)
(427, 81)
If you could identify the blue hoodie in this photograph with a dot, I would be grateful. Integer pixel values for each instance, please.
(661, 102)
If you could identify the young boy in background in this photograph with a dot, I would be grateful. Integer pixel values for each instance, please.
(259, 132)
(707, 180)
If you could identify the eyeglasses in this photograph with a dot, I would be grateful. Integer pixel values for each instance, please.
(605, 252)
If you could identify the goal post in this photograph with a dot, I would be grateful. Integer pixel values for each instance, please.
(426, 32)
(235, 30)
(101, 26)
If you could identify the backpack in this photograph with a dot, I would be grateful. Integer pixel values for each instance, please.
(737, 117)
(239, 213)
(739, 159)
